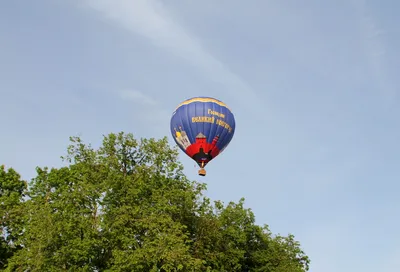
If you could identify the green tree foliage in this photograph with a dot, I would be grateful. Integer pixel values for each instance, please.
(12, 190)
(127, 206)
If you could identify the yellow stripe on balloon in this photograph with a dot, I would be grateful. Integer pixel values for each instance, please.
(204, 100)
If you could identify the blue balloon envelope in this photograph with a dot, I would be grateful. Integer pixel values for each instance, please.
(202, 127)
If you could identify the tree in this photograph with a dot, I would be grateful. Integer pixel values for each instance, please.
(12, 190)
(127, 206)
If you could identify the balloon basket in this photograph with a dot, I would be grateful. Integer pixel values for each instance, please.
(202, 172)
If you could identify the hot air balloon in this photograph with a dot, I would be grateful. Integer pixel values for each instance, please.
(202, 127)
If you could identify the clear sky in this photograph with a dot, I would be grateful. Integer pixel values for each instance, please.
(312, 85)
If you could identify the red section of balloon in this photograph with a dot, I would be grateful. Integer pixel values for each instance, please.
(201, 151)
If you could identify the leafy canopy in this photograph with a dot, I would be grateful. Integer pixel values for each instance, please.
(127, 206)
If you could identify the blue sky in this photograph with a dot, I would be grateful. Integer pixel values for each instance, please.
(312, 85)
